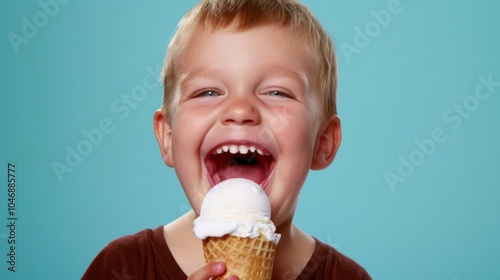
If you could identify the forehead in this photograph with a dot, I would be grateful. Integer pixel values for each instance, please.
(267, 45)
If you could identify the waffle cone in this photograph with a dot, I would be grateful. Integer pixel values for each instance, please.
(247, 258)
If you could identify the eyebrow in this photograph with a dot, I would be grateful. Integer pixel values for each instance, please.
(287, 72)
(191, 76)
(304, 83)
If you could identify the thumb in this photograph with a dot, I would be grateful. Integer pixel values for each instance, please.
(208, 270)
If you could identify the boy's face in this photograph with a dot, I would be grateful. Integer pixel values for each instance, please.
(248, 107)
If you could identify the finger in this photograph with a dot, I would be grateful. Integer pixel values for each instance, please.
(208, 270)
(233, 277)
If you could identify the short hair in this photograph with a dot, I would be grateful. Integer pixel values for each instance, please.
(247, 14)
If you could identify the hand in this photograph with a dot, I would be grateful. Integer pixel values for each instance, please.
(211, 269)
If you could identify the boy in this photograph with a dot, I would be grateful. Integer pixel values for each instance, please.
(249, 92)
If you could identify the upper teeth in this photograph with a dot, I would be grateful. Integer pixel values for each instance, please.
(242, 149)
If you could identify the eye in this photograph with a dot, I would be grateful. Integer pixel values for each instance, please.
(277, 93)
(209, 93)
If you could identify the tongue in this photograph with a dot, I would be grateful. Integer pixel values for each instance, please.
(254, 173)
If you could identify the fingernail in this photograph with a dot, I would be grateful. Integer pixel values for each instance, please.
(218, 266)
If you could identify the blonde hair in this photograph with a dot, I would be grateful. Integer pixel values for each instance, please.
(247, 14)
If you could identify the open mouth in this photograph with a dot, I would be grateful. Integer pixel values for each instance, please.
(239, 161)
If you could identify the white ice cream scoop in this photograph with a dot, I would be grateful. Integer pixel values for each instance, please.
(237, 207)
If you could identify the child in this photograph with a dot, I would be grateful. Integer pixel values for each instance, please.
(249, 92)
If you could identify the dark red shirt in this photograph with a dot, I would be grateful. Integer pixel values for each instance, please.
(145, 255)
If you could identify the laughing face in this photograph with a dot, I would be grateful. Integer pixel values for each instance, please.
(247, 108)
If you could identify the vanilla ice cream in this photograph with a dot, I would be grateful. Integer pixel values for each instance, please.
(237, 207)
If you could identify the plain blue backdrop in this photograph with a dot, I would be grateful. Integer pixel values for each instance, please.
(413, 193)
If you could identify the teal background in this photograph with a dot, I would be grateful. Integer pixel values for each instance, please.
(441, 222)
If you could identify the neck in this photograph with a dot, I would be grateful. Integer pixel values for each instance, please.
(293, 251)
(186, 248)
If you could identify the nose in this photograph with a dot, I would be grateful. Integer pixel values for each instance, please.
(241, 111)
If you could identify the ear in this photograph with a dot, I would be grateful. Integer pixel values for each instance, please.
(163, 133)
(327, 144)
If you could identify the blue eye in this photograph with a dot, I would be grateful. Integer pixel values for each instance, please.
(209, 93)
(277, 93)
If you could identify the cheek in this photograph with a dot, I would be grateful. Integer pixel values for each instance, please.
(298, 135)
(186, 130)
(189, 128)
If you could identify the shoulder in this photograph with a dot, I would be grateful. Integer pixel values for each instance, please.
(128, 243)
(328, 263)
(121, 256)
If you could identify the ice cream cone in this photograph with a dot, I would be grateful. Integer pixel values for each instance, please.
(236, 228)
(247, 258)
